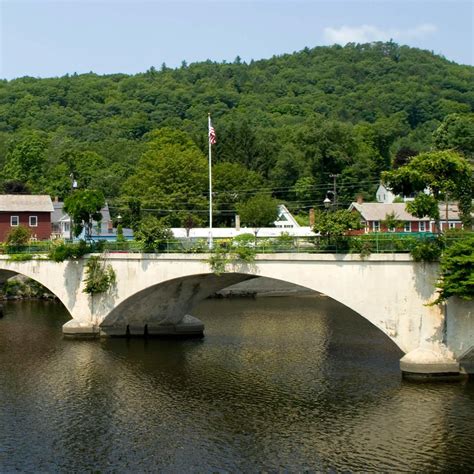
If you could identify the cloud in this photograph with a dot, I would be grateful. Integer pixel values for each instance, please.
(369, 33)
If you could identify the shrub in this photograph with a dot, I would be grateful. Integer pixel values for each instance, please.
(63, 251)
(20, 235)
(427, 250)
(457, 270)
(243, 246)
(99, 276)
(153, 233)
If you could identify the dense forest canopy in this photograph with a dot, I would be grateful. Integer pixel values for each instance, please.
(283, 125)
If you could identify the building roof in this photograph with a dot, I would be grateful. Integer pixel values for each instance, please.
(25, 203)
(59, 215)
(377, 211)
(285, 218)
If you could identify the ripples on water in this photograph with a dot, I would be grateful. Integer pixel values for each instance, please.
(277, 384)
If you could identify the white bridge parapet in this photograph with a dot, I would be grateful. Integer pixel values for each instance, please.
(155, 294)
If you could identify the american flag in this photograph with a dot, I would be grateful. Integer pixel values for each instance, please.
(212, 134)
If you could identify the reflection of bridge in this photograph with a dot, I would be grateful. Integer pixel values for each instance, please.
(154, 295)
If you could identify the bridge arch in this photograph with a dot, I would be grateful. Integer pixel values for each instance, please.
(60, 279)
(166, 303)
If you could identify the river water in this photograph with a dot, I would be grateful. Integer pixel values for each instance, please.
(278, 384)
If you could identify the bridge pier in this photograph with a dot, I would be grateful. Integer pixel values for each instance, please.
(189, 326)
(430, 363)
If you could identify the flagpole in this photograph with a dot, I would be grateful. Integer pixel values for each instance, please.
(211, 243)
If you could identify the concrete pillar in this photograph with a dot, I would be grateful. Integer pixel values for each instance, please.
(429, 362)
(80, 330)
(237, 222)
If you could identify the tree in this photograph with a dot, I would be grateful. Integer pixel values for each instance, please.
(84, 206)
(232, 182)
(26, 159)
(260, 210)
(446, 174)
(403, 155)
(337, 223)
(20, 235)
(15, 187)
(457, 270)
(391, 222)
(153, 233)
(456, 132)
(170, 178)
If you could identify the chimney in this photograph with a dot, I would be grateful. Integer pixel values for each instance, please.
(311, 217)
(359, 199)
(56, 199)
(237, 222)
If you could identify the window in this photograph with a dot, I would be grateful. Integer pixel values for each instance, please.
(14, 221)
(376, 226)
(407, 227)
(33, 221)
(452, 225)
(422, 226)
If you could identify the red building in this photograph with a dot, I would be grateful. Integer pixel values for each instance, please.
(33, 212)
(374, 217)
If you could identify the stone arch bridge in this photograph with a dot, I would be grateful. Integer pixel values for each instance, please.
(155, 294)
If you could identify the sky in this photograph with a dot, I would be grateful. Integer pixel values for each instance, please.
(43, 38)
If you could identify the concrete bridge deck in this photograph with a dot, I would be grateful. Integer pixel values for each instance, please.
(155, 294)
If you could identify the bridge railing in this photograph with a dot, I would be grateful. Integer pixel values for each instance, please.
(358, 244)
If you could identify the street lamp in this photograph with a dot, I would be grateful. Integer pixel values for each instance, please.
(329, 202)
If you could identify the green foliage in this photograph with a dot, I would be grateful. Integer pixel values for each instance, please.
(391, 222)
(286, 123)
(258, 211)
(218, 261)
(120, 237)
(20, 257)
(423, 205)
(153, 233)
(427, 250)
(284, 241)
(336, 223)
(244, 247)
(445, 173)
(84, 206)
(457, 269)
(20, 235)
(170, 176)
(456, 132)
(61, 251)
(100, 277)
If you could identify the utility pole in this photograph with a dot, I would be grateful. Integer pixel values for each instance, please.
(334, 176)
(71, 223)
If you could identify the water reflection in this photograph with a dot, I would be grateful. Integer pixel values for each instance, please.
(277, 384)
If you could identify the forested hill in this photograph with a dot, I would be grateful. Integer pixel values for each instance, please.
(285, 123)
